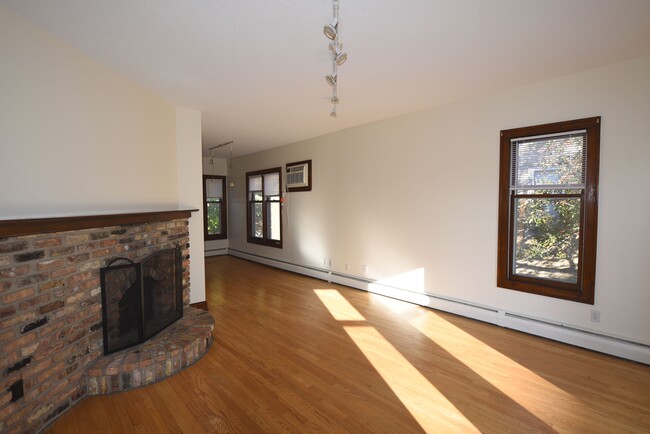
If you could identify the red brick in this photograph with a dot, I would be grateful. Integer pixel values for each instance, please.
(92, 265)
(17, 319)
(7, 311)
(49, 242)
(5, 412)
(76, 297)
(78, 258)
(51, 372)
(61, 251)
(48, 349)
(50, 264)
(18, 295)
(76, 336)
(13, 247)
(101, 253)
(38, 413)
(5, 335)
(63, 271)
(5, 398)
(52, 327)
(51, 284)
(20, 342)
(29, 349)
(87, 247)
(50, 307)
(36, 367)
(31, 280)
(4, 260)
(108, 243)
(34, 301)
(15, 271)
(72, 280)
(92, 283)
(76, 239)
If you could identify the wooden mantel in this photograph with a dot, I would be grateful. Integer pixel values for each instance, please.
(14, 228)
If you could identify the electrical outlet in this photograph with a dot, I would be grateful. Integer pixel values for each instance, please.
(364, 268)
(324, 262)
(329, 262)
(595, 316)
(347, 267)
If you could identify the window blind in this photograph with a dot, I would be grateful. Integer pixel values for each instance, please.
(555, 161)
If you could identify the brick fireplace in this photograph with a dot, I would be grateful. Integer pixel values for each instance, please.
(51, 308)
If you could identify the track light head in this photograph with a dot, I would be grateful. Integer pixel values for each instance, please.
(339, 56)
(331, 79)
(330, 30)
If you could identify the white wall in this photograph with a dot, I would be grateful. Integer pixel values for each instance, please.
(219, 166)
(76, 137)
(190, 194)
(415, 198)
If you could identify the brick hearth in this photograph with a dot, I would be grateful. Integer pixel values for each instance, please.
(50, 306)
(170, 351)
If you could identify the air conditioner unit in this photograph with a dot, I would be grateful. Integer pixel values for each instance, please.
(298, 176)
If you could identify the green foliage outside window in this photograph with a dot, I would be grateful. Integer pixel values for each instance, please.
(214, 217)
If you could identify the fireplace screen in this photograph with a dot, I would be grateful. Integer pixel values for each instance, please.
(140, 299)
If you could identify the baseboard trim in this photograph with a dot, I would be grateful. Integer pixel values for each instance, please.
(216, 252)
(200, 305)
(612, 345)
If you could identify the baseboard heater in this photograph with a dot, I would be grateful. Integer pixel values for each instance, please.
(577, 330)
(616, 346)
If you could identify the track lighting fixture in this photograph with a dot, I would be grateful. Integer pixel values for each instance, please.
(339, 57)
(331, 29)
(221, 145)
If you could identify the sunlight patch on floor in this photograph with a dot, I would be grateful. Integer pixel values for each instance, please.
(339, 307)
(517, 382)
(520, 384)
(427, 405)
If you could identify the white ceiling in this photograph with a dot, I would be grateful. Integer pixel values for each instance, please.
(256, 68)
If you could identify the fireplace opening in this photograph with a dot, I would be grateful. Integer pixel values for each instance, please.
(140, 299)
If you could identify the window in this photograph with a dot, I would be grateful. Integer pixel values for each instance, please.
(263, 212)
(548, 206)
(214, 207)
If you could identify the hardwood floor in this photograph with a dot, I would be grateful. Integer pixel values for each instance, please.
(295, 354)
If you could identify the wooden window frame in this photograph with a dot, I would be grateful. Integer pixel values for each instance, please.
(583, 290)
(224, 215)
(265, 240)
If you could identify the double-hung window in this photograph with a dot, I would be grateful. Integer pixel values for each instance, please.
(548, 206)
(214, 207)
(264, 216)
